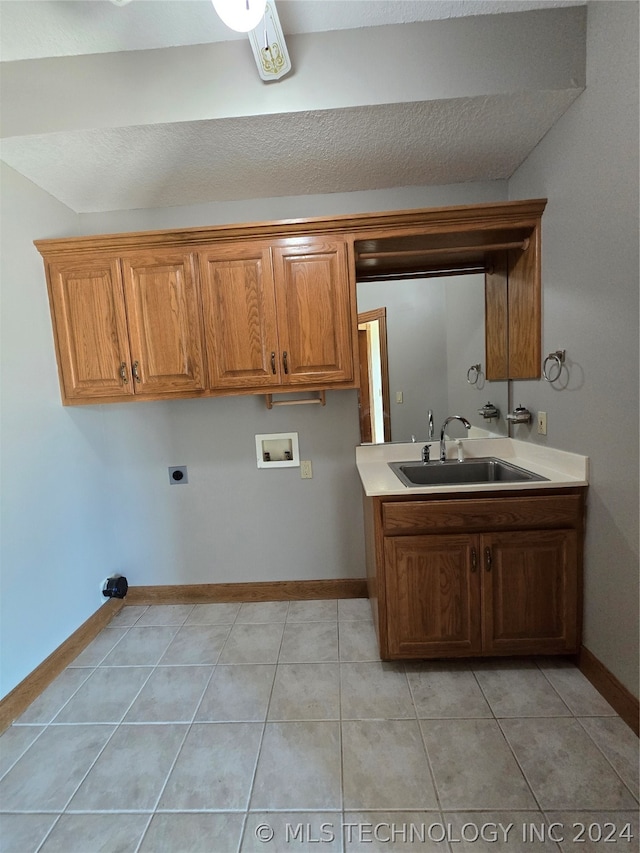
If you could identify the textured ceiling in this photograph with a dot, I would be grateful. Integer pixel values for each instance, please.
(324, 140)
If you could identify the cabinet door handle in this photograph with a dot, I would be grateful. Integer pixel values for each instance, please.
(136, 372)
(273, 362)
(285, 363)
(487, 559)
(474, 560)
(123, 373)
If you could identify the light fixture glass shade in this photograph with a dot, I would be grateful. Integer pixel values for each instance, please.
(240, 15)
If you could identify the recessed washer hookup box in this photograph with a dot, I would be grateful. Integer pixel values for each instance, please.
(278, 450)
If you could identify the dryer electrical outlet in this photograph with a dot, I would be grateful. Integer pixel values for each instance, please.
(178, 475)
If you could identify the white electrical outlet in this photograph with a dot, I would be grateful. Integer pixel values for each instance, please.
(306, 472)
(542, 423)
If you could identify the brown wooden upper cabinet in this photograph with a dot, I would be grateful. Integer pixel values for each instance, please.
(265, 307)
(277, 316)
(126, 327)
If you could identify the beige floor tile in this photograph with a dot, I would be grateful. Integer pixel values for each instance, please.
(263, 611)
(309, 642)
(358, 641)
(519, 689)
(299, 767)
(319, 610)
(55, 696)
(165, 614)
(214, 769)
(238, 693)
(196, 645)
(129, 615)
(98, 833)
(398, 831)
(213, 614)
(105, 696)
(564, 767)
(141, 646)
(446, 690)
(385, 766)
(14, 742)
(595, 831)
(579, 695)
(99, 648)
(473, 767)
(510, 832)
(354, 608)
(620, 745)
(171, 695)
(194, 833)
(52, 768)
(132, 770)
(306, 832)
(306, 691)
(253, 643)
(375, 690)
(23, 833)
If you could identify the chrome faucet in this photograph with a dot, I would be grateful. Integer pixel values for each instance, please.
(426, 449)
(443, 448)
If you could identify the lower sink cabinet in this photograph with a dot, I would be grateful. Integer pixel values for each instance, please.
(465, 594)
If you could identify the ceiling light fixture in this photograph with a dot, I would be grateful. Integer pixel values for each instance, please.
(240, 15)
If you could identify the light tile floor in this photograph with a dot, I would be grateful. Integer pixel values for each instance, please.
(275, 727)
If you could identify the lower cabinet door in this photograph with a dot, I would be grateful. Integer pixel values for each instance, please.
(530, 592)
(433, 595)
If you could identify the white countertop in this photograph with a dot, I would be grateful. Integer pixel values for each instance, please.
(562, 469)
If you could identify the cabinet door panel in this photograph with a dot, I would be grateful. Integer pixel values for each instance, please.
(525, 297)
(433, 595)
(239, 317)
(530, 591)
(91, 328)
(313, 300)
(164, 322)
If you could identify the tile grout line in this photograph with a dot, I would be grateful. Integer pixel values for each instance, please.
(603, 753)
(506, 740)
(189, 725)
(432, 775)
(261, 741)
(188, 729)
(555, 689)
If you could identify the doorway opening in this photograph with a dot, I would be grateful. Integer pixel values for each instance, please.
(373, 401)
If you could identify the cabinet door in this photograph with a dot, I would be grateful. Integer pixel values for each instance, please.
(314, 305)
(433, 595)
(164, 322)
(530, 592)
(90, 327)
(238, 303)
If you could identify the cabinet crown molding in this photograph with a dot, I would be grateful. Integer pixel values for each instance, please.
(494, 215)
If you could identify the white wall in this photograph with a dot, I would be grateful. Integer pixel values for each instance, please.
(587, 166)
(85, 490)
(57, 505)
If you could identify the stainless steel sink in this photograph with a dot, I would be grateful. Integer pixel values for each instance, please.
(452, 473)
